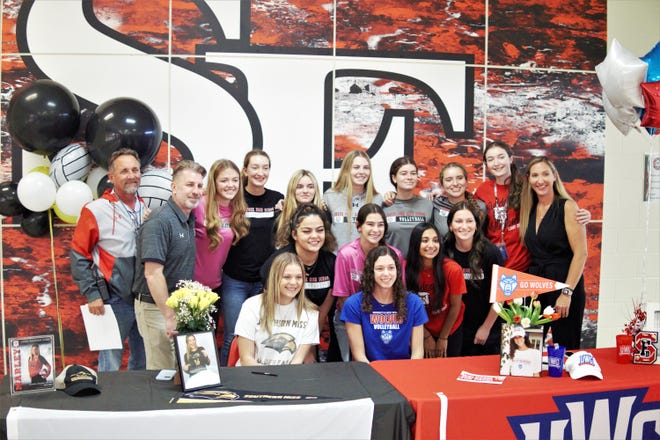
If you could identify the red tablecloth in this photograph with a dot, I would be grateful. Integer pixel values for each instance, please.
(625, 404)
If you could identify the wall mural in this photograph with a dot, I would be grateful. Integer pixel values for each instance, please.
(434, 80)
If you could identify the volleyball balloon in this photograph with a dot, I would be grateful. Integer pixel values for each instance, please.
(70, 163)
(94, 177)
(155, 187)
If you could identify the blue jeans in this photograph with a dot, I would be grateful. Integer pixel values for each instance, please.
(110, 360)
(234, 293)
(342, 337)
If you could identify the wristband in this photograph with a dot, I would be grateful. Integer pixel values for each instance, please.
(567, 291)
(443, 339)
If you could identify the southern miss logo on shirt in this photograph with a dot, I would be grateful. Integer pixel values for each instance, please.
(281, 342)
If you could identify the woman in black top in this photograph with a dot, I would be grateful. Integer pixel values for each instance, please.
(241, 278)
(558, 245)
(312, 240)
(476, 255)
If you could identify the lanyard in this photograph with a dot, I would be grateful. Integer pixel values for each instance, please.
(135, 216)
(500, 212)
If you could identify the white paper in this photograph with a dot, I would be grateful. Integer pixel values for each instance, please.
(480, 378)
(102, 331)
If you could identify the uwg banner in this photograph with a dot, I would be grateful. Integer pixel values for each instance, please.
(508, 284)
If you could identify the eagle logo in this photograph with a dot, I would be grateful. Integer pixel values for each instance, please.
(281, 342)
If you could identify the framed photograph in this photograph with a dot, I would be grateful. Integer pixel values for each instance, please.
(198, 360)
(521, 351)
(32, 363)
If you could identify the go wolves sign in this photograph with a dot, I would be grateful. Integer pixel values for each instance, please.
(508, 284)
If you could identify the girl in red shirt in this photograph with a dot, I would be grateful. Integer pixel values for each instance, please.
(440, 284)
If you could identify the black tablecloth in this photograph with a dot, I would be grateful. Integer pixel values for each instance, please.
(140, 391)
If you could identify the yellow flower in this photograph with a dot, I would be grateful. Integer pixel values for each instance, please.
(193, 303)
(172, 302)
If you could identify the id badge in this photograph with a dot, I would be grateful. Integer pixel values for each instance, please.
(502, 248)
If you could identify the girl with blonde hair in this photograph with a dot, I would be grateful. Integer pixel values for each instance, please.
(280, 325)
(302, 188)
(354, 188)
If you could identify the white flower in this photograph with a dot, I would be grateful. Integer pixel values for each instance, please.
(518, 301)
(548, 311)
(525, 322)
(497, 308)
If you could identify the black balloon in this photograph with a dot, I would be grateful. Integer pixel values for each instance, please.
(103, 184)
(123, 123)
(43, 117)
(9, 203)
(35, 224)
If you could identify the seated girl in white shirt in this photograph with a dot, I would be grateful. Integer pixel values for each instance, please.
(280, 325)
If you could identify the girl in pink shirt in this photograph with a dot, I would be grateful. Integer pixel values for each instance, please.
(371, 224)
(219, 222)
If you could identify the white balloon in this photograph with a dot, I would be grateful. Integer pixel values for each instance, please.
(621, 74)
(623, 117)
(36, 191)
(94, 178)
(72, 196)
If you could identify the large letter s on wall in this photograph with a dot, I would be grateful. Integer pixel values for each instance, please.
(205, 115)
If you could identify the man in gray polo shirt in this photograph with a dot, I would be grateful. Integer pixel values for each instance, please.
(166, 255)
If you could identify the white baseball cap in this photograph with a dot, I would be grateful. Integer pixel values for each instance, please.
(518, 331)
(582, 364)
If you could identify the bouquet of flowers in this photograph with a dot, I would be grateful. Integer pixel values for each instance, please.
(193, 303)
(515, 311)
(637, 321)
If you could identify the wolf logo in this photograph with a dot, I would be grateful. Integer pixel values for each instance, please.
(508, 284)
(281, 342)
(386, 336)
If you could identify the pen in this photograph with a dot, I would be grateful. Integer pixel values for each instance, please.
(263, 373)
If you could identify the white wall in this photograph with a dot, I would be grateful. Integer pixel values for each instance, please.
(630, 261)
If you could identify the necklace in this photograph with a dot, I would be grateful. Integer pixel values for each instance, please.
(310, 269)
(541, 211)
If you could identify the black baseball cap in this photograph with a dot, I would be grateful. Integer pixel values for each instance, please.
(78, 380)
